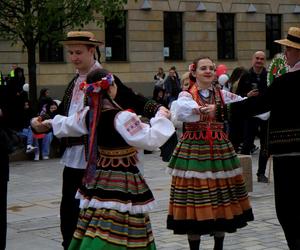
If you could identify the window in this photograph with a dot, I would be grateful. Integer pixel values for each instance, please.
(273, 32)
(173, 36)
(115, 38)
(51, 52)
(225, 33)
(49, 49)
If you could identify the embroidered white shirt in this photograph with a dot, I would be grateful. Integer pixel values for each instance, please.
(63, 126)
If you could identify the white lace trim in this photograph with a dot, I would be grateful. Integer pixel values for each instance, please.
(132, 209)
(204, 175)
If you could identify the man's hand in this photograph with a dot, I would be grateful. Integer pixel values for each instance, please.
(164, 112)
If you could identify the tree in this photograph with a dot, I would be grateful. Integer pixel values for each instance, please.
(34, 22)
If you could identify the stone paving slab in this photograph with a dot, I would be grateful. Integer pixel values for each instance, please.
(34, 197)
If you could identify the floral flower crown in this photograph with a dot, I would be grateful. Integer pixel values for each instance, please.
(96, 87)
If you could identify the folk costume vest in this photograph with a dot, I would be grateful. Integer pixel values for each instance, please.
(64, 110)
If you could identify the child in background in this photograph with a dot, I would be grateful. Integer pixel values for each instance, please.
(43, 141)
(26, 132)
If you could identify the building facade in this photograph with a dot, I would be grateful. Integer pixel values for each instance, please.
(165, 33)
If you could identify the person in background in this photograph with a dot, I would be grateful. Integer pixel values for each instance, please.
(185, 81)
(255, 79)
(159, 78)
(15, 82)
(159, 96)
(233, 81)
(236, 124)
(43, 144)
(43, 100)
(16, 79)
(204, 167)
(176, 73)
(172, 86)
(185, 85)
(26, 132)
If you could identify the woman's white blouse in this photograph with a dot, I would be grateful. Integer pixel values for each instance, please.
(185, 105)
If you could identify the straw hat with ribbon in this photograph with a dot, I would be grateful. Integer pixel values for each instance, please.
(81, 37)
(292, 39)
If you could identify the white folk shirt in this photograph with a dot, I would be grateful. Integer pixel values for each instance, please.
(63, 126)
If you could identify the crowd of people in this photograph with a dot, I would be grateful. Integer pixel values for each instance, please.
(103, 125)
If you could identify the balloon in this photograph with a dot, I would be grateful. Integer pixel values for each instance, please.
(26, 87)
(221, 69)
(222, 79)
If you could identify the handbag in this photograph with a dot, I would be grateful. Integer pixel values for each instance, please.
(285, 140)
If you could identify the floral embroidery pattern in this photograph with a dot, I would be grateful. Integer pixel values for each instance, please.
(96, 87)
(133, 126)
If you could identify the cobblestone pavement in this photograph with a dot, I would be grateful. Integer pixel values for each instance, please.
(34, 197)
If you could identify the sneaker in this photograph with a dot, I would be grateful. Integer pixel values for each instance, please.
(45, 157)
(262, 178)
(36, 158)
(30, 149)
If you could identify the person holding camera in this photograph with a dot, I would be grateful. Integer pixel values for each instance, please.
(255, 79)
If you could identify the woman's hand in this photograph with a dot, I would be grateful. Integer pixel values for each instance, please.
(162, 111)
(208, 109)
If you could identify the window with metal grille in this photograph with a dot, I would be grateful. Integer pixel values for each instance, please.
(173, 40)
(225, 34)
(51, 52)
(273, 32)
(115, 38)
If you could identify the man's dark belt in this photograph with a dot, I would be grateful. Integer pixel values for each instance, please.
(74, 141)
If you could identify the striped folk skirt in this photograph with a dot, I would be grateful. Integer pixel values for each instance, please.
(208, 193)
(114, 210)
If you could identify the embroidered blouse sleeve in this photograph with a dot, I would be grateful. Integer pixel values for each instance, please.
(231, 97)
(184, 108)
(173, 108)
(70, 126)
(142, 135)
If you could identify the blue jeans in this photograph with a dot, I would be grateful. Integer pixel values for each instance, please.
(26, 133)
(43, 144)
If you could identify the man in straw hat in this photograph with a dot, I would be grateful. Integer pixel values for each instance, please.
(81, 47)
(286, 161)
(282, 99)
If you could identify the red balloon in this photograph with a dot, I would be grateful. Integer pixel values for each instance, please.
(221, 69)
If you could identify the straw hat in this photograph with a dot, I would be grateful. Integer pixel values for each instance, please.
(292, 39)
(81, 37)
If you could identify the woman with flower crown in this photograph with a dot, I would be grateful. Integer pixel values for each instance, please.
(114, 198)
(208, 193)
